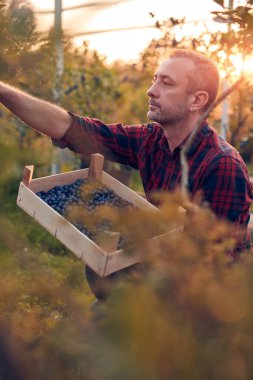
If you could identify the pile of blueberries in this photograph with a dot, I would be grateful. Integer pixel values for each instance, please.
(87, 195)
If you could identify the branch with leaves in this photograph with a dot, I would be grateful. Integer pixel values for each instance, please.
(241, 16)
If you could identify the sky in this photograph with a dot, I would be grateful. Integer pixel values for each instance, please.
(126, 45)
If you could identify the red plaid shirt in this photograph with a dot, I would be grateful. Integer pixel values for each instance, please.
(215, 167)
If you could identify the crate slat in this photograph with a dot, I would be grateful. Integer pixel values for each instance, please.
(46, 183)
(125, 193)
(61, 229)
(96, 167)
(28, 174)
(122, 259)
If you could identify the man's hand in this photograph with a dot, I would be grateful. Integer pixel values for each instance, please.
(39, 114)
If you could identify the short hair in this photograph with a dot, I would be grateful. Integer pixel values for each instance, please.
(205, 76)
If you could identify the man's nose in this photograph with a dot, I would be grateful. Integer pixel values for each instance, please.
(152, 91)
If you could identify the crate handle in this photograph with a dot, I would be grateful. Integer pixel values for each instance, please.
(96, 167)
(27, 174)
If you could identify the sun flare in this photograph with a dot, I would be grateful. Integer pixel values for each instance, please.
(242, 66)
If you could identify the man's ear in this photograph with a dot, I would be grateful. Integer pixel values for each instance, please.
(199, 100)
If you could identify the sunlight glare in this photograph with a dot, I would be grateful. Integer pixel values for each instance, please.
(245, 67)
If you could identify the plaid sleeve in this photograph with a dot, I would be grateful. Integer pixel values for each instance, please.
(228, 191)
(116, 142)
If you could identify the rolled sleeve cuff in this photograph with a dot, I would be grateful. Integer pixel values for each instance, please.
(64, 141)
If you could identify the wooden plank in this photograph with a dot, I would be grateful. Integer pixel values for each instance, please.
(96, 167)
(156, 243)
(109, 241)
(126, 193)
(46, 183)
(28, 174)
(121, 259)
(78, 243)
(131, 196)
(64, 231)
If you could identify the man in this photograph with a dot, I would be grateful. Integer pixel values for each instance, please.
(184, 86)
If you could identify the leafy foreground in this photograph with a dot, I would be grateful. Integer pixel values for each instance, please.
(189, 315)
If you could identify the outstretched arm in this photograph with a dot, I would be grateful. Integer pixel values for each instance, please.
(39, 114)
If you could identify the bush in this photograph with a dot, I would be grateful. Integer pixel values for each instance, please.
(187, 316)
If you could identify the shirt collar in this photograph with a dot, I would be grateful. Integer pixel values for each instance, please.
(201, 134)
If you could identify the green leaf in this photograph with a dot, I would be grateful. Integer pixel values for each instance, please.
(220, 2)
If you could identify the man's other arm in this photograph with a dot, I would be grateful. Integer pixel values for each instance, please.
(40, 115)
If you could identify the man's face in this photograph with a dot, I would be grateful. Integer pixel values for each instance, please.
(169, 101)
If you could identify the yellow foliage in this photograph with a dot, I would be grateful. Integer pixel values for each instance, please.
(187, 315)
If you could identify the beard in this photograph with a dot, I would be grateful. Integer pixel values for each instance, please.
(170, 116)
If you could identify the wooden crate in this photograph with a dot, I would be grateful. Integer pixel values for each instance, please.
(104, 259)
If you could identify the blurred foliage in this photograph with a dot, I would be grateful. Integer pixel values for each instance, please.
(187, 316)
(241, 116)
(242, 16)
